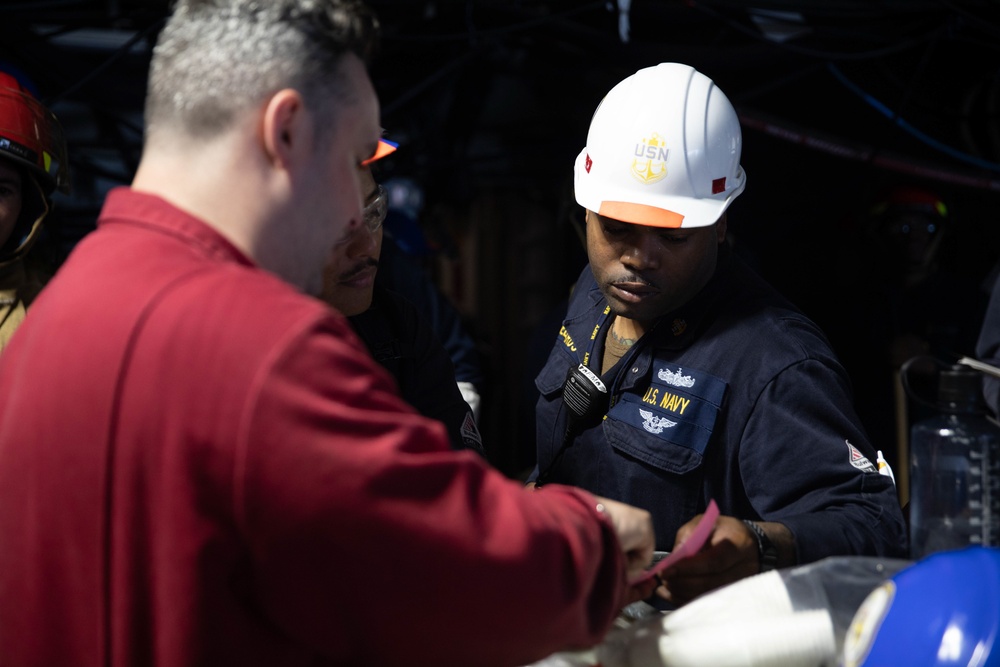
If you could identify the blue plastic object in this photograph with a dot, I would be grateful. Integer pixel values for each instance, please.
(942, 611)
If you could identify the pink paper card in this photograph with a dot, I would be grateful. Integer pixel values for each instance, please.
(691, 546)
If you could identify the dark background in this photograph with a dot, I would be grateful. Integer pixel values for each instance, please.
(490, 101)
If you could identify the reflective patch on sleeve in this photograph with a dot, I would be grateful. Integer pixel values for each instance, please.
(859, 460)
(470, 433)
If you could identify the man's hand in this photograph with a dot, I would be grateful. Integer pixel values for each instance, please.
(730, 554)
(634, 528)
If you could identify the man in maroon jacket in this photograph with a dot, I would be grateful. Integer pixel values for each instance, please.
(200, 465)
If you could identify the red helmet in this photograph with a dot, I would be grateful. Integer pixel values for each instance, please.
(31, 136)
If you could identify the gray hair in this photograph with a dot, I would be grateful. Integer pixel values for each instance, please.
(217, 58)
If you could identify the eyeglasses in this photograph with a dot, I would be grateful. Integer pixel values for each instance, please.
(373, 214)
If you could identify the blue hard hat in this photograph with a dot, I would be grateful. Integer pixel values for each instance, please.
(941, 611)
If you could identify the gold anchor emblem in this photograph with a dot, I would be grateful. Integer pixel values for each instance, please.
(650, 162)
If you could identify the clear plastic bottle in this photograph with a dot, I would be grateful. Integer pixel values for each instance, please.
(955, 470)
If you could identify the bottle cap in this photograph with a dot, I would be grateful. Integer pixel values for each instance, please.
(960, 390)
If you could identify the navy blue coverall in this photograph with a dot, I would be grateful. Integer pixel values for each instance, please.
(735, 396)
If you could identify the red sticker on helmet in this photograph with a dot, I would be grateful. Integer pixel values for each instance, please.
(718, 185)
(588, 163)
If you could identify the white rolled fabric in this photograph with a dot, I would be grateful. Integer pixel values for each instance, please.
(760, 596)
(800, 639)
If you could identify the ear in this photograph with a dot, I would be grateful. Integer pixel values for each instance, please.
(720, 229)
(285, 128)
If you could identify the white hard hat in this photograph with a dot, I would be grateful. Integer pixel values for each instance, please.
(663, 150)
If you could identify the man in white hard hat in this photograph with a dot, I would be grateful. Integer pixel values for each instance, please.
(709, 385)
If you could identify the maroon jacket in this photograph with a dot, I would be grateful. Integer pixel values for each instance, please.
(201, 466)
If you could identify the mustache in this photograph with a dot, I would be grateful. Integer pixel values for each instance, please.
(358, 268)
(632, 279)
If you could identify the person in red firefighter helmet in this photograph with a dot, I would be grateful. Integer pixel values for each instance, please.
(32, 167)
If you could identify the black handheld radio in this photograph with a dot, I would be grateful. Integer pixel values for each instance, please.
(586, 399)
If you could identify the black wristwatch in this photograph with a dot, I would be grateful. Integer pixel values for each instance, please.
(765, 547)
